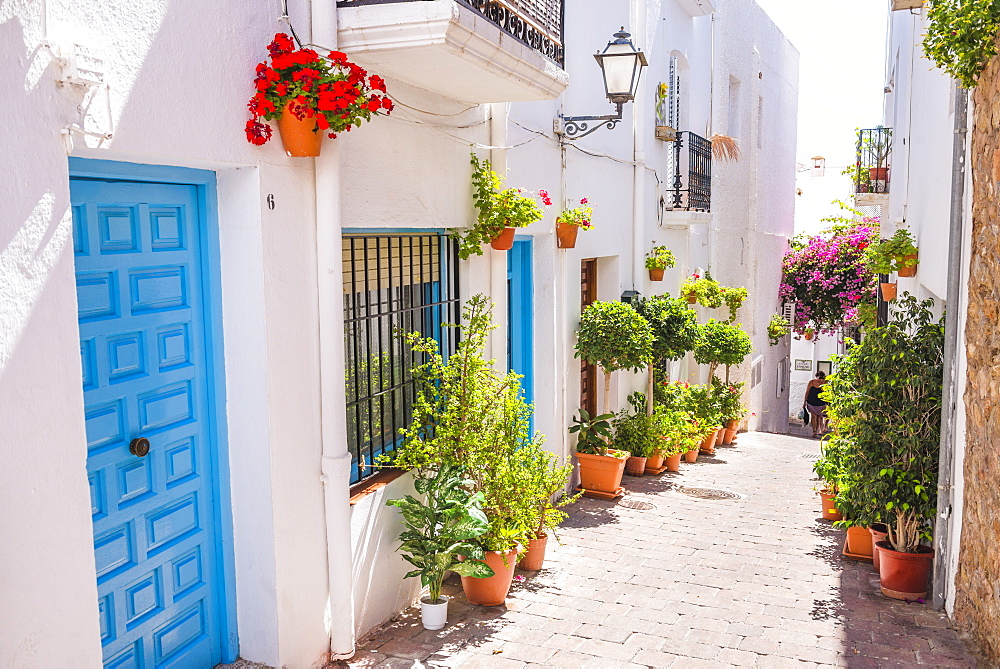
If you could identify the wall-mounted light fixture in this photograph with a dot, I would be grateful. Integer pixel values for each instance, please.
(621, 64)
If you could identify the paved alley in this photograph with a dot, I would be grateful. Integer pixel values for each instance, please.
(665, 577)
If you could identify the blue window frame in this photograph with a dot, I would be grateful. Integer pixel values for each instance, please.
(393, 281)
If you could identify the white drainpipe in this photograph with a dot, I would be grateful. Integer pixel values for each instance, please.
(336, 461)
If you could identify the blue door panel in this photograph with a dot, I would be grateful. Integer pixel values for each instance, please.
(520, 346)
(141, 290)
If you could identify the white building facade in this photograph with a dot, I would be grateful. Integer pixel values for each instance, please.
(164, 279)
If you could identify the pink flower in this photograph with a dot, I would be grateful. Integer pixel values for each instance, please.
(584, 201)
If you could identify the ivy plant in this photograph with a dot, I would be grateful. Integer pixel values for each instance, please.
(442, 527)
(889, 255)
(734, 299)
(613, 336)
(885, 406)
(961, 36)
(777, 328)
(498, 208)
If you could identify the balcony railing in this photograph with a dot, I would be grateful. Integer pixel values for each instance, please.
(871, 171)
(692, 185)
(537, 23)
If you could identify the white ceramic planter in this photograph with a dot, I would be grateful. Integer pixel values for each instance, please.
(434, 616)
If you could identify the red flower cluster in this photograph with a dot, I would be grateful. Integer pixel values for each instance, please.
(546, 200)
(339, 94)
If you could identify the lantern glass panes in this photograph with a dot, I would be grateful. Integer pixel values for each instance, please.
(622, 65)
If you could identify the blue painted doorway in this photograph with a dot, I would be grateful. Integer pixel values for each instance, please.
(150, 352)
(520, 325)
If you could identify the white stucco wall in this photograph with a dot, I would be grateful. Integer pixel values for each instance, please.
(179, 78)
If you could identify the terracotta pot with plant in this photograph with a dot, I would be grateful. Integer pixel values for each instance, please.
(311, 96)
(634, 432)
(500, 212)
(571, 221)
(895, 254)
(704, 290)
(544, 481)
(659, 259)
(777, 328)
(601, 467)
(890, 433)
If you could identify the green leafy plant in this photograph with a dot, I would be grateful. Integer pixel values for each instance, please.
(675, 331)
(885, 406)
(859, 176)
(729, 398)
(660, 257)
(465, 413)
(889, 255)
(721, 344)
(442, 528)
(634, 429)
(961, 36)
(734, 299)
(544, 481)
(673, 430)
(706, 291)
(592, 432)
(705, 407)
(498, 208)
(777, 328)
(613, 336)
(581, 216)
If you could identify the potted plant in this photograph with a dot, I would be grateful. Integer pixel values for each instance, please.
(613, 336)
(467, 414)
(706, 291)
(672, 428)
(721, 344)
(544, 481)
(633, 433)
(729, 396)
(859, 177)
(310, 96)
(675, 331)
(895, 254)
(886, 408)
(877, 144)
(500, 211)
(704, 405)
(571, 221)
(659, 259)
(438, 532)
(734, 299)
(601, 467)
(777, 328)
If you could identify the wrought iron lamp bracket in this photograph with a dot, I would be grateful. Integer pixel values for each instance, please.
(575, 127)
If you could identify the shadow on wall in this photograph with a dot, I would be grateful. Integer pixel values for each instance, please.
(380, 591)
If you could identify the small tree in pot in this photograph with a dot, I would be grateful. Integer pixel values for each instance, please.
(721, 344)
(440, 530)
(614, 336)
(675, 332)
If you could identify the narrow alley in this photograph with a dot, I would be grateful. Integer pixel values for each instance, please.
(668, 577)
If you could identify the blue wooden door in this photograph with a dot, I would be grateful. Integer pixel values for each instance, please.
(519, 316)
(141, 293)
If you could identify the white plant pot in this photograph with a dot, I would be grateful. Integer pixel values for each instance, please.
(434, 616)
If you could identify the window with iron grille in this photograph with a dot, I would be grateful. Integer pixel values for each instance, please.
(392, 283)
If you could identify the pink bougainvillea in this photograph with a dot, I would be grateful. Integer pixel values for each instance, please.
(826, 278)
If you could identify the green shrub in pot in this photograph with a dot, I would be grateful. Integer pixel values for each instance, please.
(613, 336)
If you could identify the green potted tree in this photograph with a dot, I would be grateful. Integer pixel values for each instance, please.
(613, 336)
(886, 399)
(659, 259)
(721, 344)
(675, 331)
(501, 210)
(439, 532)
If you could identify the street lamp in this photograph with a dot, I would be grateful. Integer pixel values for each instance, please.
(621, 65)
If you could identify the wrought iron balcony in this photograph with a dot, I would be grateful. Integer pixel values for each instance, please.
(471, 50)
(871, 170)
(691, 189)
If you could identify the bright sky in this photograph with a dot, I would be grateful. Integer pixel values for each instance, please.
(841, 71)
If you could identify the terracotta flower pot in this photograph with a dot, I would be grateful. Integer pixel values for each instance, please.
(566, 234)
(656, 275)
(809, 335)
(859, 541)
(888, 291)
(692, 299)
(733, 425)
(878, 173)
(654, 461)
(720, 436)
(635, 466)
(602, 473)
(904, 575)
(879, 533)
(299, 136)
(674, 461)
(911, 271)
(730, 436)
(535, 557)
(691, 456)
(830, 511)
(504, 241)
(708, 443)
(492, 591)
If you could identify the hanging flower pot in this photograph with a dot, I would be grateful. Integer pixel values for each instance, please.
(656, 275)
(299, 136)
(492, 590)
(534, 558)
(810, 334)
(692, 299)
(566, 234)
(888, 291)
(909, 270)
(904, 575)
(503, 241)
(659, 259)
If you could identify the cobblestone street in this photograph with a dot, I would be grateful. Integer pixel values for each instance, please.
(664, 578)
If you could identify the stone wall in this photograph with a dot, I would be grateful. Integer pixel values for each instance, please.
(977, 602)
